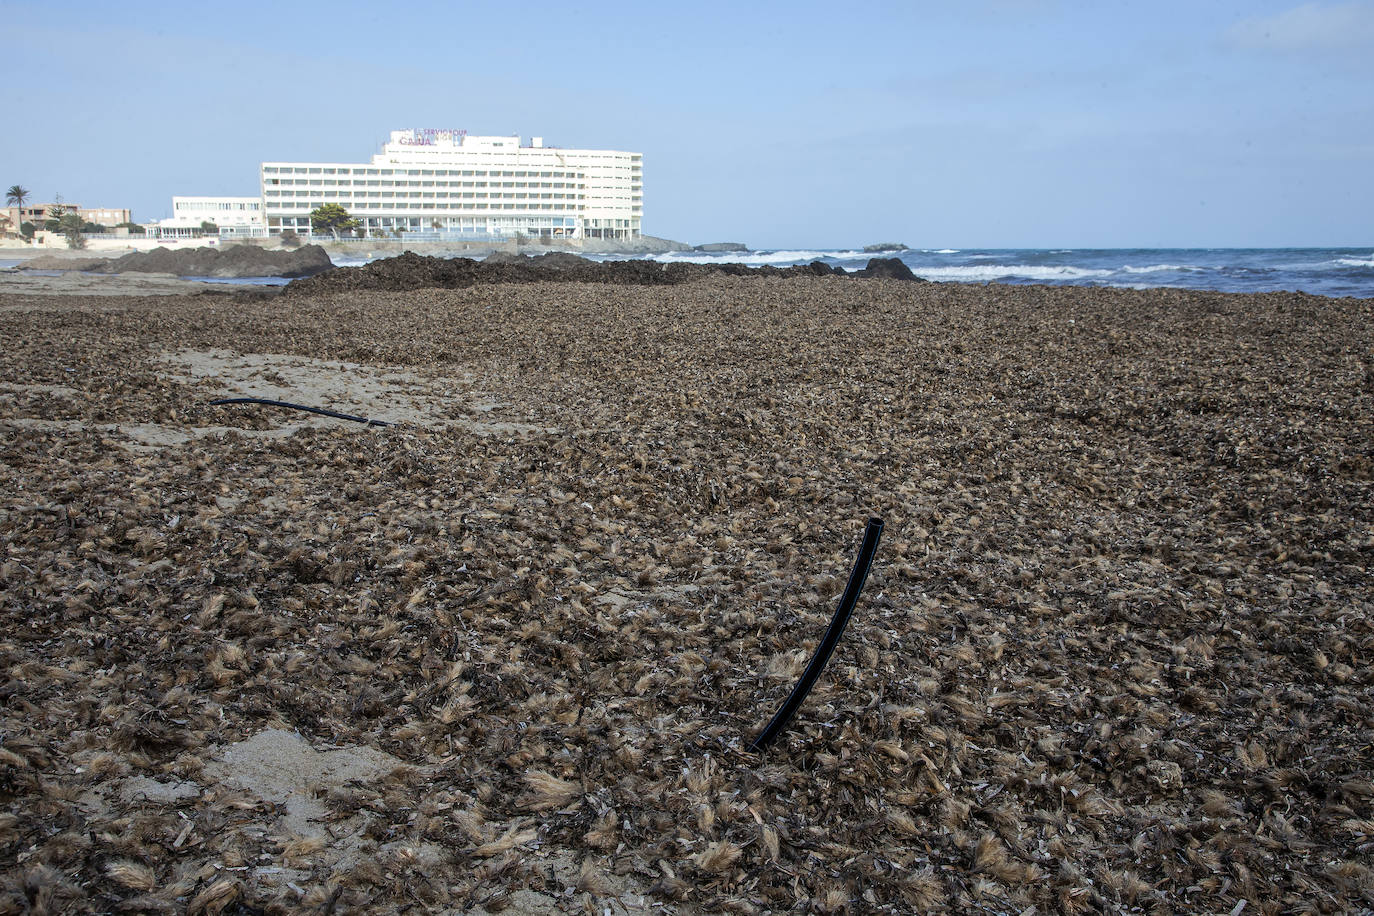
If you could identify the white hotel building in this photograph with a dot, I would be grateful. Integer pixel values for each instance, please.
(233, 217)
(457, 186)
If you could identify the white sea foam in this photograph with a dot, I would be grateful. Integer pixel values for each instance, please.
(757, 257)
(947, 251)
(1356, 262)
(1160, 268)
(985, 272)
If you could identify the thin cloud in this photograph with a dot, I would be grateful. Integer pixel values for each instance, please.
(1312, 26)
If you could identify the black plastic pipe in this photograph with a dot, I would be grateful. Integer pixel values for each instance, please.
(319, 410)
(829, 641)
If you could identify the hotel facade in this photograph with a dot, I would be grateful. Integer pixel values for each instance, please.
(446, 183)
(233, 217)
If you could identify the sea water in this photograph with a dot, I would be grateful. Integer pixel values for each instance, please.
(1320, 271)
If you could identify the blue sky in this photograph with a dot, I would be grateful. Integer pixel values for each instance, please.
(987, 123)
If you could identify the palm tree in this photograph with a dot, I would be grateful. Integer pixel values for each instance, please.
(17, 196)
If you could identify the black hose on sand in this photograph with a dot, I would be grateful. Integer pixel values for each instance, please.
(828, 642)
(319, 410)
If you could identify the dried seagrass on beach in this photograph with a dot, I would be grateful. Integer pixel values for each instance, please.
(507, 655)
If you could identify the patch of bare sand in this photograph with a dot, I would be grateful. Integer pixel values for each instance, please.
(390, 394)
(297, 781)
(281, 767)
(73, 283)
(393, 395)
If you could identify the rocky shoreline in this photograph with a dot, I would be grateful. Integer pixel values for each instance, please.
(414, 271)
(163, 272)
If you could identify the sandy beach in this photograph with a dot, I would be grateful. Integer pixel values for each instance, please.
(507, 654)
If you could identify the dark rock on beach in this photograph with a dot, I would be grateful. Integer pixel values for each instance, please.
(414, 271)
(887, 269)
(885, 246)
(822, 269)
(716, 247)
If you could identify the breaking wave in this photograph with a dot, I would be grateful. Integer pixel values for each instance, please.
(983, 273)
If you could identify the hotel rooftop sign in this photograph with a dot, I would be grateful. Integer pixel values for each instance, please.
(429, 136)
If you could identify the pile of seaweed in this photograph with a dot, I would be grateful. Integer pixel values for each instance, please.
(1113, 656)
(414, 271)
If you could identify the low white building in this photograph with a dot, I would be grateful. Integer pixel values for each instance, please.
(444, 183)
(234, 217)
